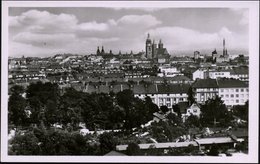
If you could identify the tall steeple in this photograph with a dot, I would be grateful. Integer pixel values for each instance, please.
(224, 47)
(98, 51)
(102, 50)
(160, 45)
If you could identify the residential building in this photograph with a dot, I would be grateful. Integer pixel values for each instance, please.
(233, 92)
(205, 89)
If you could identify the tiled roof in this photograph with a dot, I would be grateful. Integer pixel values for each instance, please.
(231, 83)
(205, 83)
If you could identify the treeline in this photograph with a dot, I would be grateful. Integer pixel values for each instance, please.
(42, 103)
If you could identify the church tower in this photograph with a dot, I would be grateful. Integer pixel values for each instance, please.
(148, 47)
(98, 51)
(154, 49)
(160, 44)
(102, 51)
(224, 47)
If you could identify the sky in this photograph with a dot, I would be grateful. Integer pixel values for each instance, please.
(41, 32)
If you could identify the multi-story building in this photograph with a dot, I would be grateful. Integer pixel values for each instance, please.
(233, 92)
(205, 89)
(163, 94)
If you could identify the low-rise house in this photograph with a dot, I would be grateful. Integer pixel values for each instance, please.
(194, 110)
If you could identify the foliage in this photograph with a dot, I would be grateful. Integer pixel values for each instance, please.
(241, 111)
(133, 149)
(52, 142)
(169, 130)
(192, 121)
(191, 98)
(214, 110)
(26, 144)
(107, 142)
(214, 150)
(164, 109)
(16, 106)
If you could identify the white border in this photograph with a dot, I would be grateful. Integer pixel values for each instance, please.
(253, 86)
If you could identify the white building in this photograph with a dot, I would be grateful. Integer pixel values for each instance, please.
(168, 71)
(233, 92)
(194, 110)
(205, 89)
(163, 95)
(219, 74)
(199, 74)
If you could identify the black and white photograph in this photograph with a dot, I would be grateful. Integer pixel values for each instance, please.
(129, 81)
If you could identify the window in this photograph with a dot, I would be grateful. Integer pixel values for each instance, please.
(237, 101)
(181, 99)
(152, 94)
(221, 90)
(222, 96)
(227, 95)
(237, 90)
(242, 90)
(174, 99)
(247, 89)
(168, 99)
(231, 95)
(237, 95)
(168, 94)
(160, 100)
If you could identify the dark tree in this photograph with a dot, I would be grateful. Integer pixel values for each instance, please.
(213, 111)
(241, 111)
(133, 149)
(214, 150)
(192, 121)
(26, 144)
(16, 106)
(176, 109)
(107, 142)
(164, 109)
(191, 98)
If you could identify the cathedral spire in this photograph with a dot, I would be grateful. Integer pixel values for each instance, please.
(98, 51)
(148, 36)
(224, 47)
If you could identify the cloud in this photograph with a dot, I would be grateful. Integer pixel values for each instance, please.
(245, 18)
(145, 9)
(180, 39)
(44, 22)
(93, 26)
(144, 20)
(244, 13)
(44, 39)
(37, 33)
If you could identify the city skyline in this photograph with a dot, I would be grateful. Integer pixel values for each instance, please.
(49, 31)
